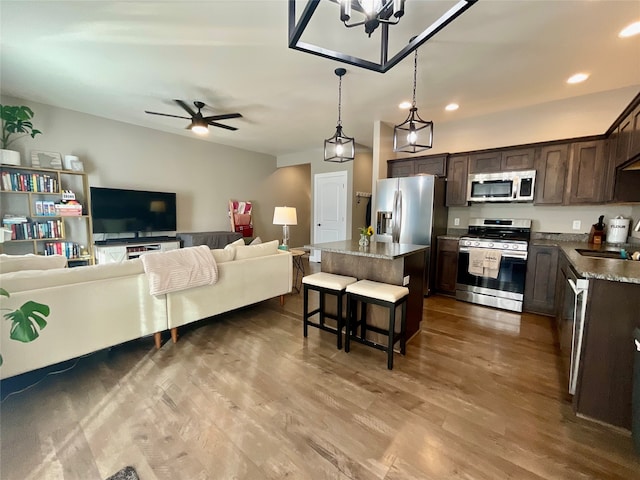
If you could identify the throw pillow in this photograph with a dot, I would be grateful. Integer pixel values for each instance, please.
(260, 250)
(256, 241)
(221, 255)
(16, 263)
(239, 241)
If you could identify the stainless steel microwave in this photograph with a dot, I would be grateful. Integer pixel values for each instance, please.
(517, 186)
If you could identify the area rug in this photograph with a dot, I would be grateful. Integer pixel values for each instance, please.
(127, 473)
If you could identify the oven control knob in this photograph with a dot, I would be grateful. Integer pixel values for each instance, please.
(490, 244)
(476, 244)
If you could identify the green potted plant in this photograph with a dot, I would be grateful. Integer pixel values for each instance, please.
(16, 123)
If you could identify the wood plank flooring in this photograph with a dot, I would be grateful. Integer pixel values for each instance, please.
(479, 395)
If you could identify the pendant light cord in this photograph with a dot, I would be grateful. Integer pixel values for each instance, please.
(415, 76)
(340, 100)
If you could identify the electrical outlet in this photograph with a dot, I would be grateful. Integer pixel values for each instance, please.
(577, 224)
(456, 221)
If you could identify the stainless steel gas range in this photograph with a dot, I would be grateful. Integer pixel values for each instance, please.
(492, 262)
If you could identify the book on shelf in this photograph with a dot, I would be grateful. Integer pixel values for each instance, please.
(29, 182)
(9, 219)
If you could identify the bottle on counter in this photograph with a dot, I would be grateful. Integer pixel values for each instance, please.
(596, 235)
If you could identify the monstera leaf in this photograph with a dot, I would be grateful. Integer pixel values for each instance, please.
(25, 319)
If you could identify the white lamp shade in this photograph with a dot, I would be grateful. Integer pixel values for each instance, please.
(285, 216)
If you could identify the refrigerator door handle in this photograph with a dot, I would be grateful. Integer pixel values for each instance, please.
(397, 216)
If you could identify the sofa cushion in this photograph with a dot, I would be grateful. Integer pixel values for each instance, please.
(221, 255)
(260, 250)
(29, 280)
(16, 263)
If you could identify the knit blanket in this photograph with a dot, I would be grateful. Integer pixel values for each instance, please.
(179, 269)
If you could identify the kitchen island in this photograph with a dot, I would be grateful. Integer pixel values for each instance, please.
(393, 263)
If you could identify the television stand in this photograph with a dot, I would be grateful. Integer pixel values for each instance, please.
(130, 248)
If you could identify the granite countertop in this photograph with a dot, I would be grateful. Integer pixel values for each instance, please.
(382, 250)
(616, 270)
(449, 236)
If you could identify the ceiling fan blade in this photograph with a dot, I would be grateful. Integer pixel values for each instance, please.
(220, 125)
(166, 115)
(222, 117)
(186, 107)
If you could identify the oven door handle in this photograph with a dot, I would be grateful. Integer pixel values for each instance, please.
(519, 255)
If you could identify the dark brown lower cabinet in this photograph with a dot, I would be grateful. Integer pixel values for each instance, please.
(447, 266)
(540, 282)
(605, 378)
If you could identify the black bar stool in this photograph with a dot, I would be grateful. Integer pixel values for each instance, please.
(385, 295)
(325, 283)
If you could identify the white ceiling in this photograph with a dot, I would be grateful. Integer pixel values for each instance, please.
(117, 59)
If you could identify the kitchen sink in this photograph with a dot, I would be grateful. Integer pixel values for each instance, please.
(599, 253)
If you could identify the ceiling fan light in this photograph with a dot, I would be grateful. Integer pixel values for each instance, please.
(200, 129)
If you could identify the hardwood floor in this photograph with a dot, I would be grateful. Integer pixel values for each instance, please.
(479, 395)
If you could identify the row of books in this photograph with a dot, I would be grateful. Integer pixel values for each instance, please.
(68, 249)
(29, 182)
(35, 230)
(45, 208)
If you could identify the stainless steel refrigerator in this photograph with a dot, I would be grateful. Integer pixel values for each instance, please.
(412, 210)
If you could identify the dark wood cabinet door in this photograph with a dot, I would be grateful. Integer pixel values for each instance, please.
(488, 162)
(540, 282)
(634, 144)
(621, 141)
(447, 266)
(520, 159)
(588, 167)
(457, 176)
(552, 168)
(400, 168)
(432, 165)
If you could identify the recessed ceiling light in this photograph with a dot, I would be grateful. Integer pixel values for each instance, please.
(451, 107)
(578, 78)
(405, 105)
(630, 30)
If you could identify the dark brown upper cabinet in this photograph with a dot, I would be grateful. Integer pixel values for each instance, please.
(502, 160)
(400, 168)
(487, 162)
(552, 167)
(457, 176)
(431, 165)
(634, 144)
(519, 159)
(588, 165)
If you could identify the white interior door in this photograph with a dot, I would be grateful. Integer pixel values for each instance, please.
(329, 209)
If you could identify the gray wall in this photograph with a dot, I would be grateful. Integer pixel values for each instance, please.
(204, 175)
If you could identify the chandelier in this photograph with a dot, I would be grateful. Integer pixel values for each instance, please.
(374, 11)
(414, 134)
(373, 14)
(339, 148)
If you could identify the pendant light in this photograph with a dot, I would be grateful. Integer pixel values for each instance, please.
(414, 134)
(339, 148)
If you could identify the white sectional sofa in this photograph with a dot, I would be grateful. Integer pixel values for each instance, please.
(99, 306)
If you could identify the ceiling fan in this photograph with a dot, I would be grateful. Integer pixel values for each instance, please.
(200, 124)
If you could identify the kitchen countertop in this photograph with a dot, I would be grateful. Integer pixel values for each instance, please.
(616, 270)
(384, 250)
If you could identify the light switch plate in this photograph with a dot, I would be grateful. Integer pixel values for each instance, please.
(405, 281)
(577, 224)
(456, 221)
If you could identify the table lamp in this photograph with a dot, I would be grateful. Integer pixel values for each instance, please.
(285, 216)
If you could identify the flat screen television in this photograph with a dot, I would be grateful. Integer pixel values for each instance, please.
(117, 210)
